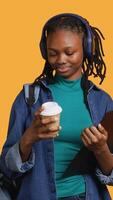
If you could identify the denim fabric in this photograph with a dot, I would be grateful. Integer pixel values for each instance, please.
(37, 174)
(4, 194)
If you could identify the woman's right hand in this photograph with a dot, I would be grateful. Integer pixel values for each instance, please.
(39, 129)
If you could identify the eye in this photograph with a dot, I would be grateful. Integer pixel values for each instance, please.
(51, 53)
(69, 53)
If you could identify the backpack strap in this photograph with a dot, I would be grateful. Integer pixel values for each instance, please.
(31, 93)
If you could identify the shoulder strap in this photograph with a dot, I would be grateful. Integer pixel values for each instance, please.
(31, 93)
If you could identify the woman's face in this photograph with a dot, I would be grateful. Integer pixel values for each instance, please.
(65, 53)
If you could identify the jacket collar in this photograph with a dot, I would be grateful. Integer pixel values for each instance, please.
(92, 86)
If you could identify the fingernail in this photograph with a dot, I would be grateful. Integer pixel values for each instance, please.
(99, 125)
(93, 127)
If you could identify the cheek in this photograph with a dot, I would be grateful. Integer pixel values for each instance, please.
(51, 60)
(77, 58)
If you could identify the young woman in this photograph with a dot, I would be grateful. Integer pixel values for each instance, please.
(44, 160)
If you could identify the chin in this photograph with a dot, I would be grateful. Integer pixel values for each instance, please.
(63, 75)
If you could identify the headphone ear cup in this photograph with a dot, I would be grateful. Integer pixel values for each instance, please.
(85, 46)
(93, 45)
(89, 46)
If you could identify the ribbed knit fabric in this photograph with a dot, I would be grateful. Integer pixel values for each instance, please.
(74, 118)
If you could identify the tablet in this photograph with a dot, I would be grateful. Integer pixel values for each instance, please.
(85, 161)
(107, 123)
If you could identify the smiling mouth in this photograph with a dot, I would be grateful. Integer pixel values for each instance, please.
(62, 69)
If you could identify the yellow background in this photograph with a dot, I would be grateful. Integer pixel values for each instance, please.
(21, 22)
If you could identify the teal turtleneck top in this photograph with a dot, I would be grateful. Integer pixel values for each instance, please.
(74, 118)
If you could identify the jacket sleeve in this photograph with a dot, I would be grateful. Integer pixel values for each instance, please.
(10, 160)
(106, 179)
(14, 162)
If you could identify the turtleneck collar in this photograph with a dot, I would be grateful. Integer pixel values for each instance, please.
(68, 84)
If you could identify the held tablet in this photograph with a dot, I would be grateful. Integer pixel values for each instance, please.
(85, 161)
(107, 123)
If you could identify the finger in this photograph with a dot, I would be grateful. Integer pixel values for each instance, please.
(102, 129)
(86, 138)
(48, 120)
(84, 141)
(90, 135)
(96, 132)
(37, 113)
(45, 129)
(99, 132)
(37, 117)
(37, 122)
(48, 135)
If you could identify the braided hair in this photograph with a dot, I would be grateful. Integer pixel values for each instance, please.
(93, 65)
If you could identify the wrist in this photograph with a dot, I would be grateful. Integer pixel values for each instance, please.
(25, 147)
(25, 143)
(102, 150)
(30, 136)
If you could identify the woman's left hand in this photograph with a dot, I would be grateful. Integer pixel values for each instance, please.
(95, 138)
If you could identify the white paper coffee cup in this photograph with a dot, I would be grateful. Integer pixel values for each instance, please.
(51, 108)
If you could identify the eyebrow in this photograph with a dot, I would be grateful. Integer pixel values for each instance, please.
(57, 50)
(51, 49)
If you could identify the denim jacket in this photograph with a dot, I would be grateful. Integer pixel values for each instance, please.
(37, 174)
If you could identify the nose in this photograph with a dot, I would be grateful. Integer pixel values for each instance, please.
(61, 59)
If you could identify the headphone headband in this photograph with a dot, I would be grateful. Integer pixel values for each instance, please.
(88, 44)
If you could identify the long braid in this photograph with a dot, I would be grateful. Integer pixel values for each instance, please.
(46, 73)
(96, 65)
